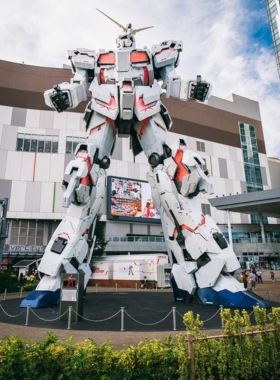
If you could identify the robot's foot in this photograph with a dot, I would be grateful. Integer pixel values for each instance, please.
(41, 298)
(242, 299)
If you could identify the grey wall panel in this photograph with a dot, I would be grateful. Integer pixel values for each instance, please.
(46, 120)
(3, 161)
(133, 170)
(140, 229)
(156, 230)
(33, 196)
(229, 187)
(117, 154)
(245, 218)
(9, 138)
(5, 188)
(223, 168)
(243, 186)
(117, 229)
(274, 169)
(19, 117)
(232, 153)
(239, 171)
(264, 176)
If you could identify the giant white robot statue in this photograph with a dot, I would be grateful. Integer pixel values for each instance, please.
(125, 101)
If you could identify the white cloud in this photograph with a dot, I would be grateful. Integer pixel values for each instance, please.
(215, 34)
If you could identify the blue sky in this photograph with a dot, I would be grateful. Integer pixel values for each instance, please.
(227, 42)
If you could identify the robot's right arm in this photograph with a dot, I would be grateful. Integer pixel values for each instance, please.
(69, 95)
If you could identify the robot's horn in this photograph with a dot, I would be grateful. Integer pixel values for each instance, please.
(139, 30)
(124, 29)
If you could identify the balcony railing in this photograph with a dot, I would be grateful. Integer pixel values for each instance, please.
(255, 240)
(153, 239)
(144, 239)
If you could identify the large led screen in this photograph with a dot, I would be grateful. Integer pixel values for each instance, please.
(130, 199)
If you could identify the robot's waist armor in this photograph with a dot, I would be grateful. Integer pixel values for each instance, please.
(125, 101)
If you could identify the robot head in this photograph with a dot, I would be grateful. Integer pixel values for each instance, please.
(126, 39)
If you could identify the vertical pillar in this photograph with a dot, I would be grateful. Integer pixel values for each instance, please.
(262, 228)
(229, 228)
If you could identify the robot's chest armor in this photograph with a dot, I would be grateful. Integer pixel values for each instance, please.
(115, 66)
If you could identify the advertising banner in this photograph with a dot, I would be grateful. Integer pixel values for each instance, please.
(130, 199)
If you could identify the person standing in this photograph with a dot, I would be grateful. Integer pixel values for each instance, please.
(245, 279)
(272, 275)
(252, 280)
(259, 276)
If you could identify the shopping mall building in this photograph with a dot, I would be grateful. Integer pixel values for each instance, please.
(37, 143)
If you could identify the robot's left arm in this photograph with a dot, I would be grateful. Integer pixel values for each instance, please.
(166, 59)
(69, 95)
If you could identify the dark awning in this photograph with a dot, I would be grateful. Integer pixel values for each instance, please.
(266, 202)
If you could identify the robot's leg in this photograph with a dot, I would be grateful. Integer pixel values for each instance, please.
(204, 261)
(71, 245)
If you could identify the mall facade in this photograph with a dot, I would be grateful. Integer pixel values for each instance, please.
(37, 143)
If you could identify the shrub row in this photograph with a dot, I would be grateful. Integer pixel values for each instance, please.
(255, 357)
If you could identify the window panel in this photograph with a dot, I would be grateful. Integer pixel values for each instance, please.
(48, 144)
(55, 144)
(26, 143)
(34, 143)
(41, 144)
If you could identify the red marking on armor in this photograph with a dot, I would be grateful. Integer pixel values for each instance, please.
(175, 233)
(102, 78)
(107, 59)
(112, 125)
(171, 49)
(202, 222)
(138, 57)
(146, 76)
(111, 105)
(85, 232)
(181, 170)
(64, 233)
(127, 87)
(158, 125)
(98, 128)
(34, 167)
(143, 127)
(82, 154)
(142, 106)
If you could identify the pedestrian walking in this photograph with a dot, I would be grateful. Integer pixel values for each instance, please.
(252, 280)
(259, 276)
(272, 275)
(244, 279)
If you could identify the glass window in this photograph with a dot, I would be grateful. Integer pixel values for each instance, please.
(34, 143)
(20, 139)
(69, 148)
(76, 141)
(55, 144)
(205, 208)
(37, 143)
(41, 144)
(26, 143)
(48, 144)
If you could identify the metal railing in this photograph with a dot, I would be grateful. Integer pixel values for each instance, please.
(136, 239)
(254, 240)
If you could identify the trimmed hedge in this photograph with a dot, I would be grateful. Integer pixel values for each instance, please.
(247, 357)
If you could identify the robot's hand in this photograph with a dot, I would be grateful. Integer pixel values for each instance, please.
(66, 95)
(59, 99)
(199, 90)
(188, 89)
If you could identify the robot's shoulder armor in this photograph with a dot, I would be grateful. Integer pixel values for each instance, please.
(167, 53)
(82, 58)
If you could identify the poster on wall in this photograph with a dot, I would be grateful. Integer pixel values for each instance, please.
(130, 199)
